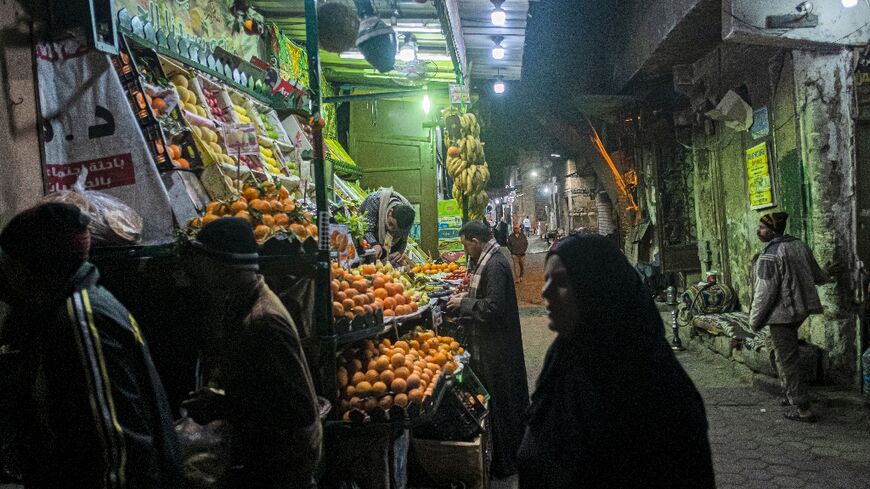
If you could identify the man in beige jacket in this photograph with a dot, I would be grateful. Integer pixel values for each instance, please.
(786, 275)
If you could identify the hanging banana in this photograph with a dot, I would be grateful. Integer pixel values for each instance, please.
(466, 163)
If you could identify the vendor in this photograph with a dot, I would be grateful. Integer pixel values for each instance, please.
(390, 217)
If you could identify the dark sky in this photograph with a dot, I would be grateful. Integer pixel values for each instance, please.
(566, 53)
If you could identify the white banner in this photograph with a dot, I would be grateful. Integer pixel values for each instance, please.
(88, 123)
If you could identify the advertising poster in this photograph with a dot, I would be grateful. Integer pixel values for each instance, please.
(449, 224)
(759, 177)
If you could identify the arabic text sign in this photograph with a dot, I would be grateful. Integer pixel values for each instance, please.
(759, 178)
(103, 173)
(459, 94)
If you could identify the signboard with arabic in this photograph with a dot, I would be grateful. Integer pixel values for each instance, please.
(759, 177)
(460, 94)
(87, 124)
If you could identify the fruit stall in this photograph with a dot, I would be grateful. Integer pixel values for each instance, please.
(205, 133)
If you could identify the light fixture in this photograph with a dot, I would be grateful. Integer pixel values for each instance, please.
(546, 190)
(498, 16)
(555, 155)
(534, 174)
(376, 40)
(498, 86)
(849, 3)
(497, 50)
(423, 56)
(427, 104)
(408, 52)
(497, 201)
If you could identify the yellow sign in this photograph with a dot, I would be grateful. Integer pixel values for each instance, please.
(758, 177)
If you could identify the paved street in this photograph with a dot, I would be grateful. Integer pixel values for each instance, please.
(753, 445)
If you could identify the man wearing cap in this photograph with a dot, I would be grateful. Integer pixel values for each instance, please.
(255, 358)
(87, 405)
(786, 275)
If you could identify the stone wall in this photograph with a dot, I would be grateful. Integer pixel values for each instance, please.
(21, 183)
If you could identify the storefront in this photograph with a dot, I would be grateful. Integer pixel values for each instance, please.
(200, 112)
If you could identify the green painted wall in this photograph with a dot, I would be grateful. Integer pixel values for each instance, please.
(393, 149)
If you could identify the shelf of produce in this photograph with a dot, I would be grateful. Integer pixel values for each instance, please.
(364, 334)
(346, 170)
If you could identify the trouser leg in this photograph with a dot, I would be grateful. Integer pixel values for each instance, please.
(522, 260)
(785, 346)
(516, 262)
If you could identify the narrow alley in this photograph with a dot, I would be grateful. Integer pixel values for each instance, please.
(753, 445)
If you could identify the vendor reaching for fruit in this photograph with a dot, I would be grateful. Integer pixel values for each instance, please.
(390, 217)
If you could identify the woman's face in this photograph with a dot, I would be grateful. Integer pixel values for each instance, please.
(559, 294)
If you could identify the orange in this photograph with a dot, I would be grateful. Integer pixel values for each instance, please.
(378, 283)
(283, 193)
(416, 396)
(348, 304)
(389, 303)
(397, 360)
(379, 388)
(245, 215)
(334, 286)
(261, 232)
(389, 312)
(387, 377)
(250, 193)
(239, 204)
(357, 378)
(209, 218)
(398, 386)
(372, 376)
(381, 293)
(400, 299)
(386, 403)
(450, 368)
(281, 219)
(369, 309)
(288, 205)
(359, 300)
(312, 230)
(413, 381)
(402, 372)
(340, 296)
(174, 151)
(383, 362)
(260, 205)
(414, 306)
(158, 104)
(401, 400)
(372, 365)
(299, 230)
(337, 309)
(402, 345)
(363, 389)
(268, 220)
(359, 311)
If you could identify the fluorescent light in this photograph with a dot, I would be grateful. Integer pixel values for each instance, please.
(420, 55)
(427, 104)
(849, 3)
(351, 55)
(498, 17)
(418, 30)
(408, 52)
(534, 174)
(555, 155)
(497, 52)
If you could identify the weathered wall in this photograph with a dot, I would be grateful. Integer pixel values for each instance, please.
(824, 90)
(745, 21)
(20, 169)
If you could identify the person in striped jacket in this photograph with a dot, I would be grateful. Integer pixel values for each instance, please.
(81, 402)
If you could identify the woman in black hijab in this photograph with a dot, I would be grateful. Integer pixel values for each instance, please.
(613, 408)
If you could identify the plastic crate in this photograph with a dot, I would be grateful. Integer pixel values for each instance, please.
(459, 417)
(469, 380)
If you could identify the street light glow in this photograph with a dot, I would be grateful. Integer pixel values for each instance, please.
(849, 3)
(534, 174)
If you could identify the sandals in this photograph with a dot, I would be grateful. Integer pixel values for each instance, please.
(795, 415)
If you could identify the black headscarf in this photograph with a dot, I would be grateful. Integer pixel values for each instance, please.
(613, 407)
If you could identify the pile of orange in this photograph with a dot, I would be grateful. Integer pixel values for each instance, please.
(269, 209)
(383, 375)
(176, 156)
(433, 268)
(352, 291)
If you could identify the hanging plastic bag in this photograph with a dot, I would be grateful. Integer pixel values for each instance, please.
(113, 223)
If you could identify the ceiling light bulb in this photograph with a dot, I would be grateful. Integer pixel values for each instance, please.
(534, 174)
(546, 190)
(427, 104)
(849, 3)
(498, 86)
(408, 52)
(497, 52)
(498, 17)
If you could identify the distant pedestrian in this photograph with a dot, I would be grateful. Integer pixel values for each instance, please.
(502, 230)
(87, 406)
(527, 226)
(613, 407)
(518, 244)
(490, 312)
(786, 275)
(256, 358)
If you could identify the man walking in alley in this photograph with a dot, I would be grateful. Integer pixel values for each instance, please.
(527, 226)
(255, 356)
(518, 244)
(489, 311)
(81, 404)
(786, 275)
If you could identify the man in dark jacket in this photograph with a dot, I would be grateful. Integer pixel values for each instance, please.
(786, 275)
(91, 411)
(390, 217)
(490, 311)
(255, 357)
(517, 243)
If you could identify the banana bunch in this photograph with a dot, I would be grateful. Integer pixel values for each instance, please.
(466, 164)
